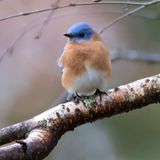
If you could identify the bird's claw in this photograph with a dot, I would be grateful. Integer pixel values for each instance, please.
(100, 93)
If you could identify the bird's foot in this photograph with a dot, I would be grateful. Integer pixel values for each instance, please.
(79, 98)
(100, 93)
(75, 97)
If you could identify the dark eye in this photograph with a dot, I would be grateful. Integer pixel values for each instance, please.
(82, 35)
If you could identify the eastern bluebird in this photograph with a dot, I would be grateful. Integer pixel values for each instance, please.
(85, 61)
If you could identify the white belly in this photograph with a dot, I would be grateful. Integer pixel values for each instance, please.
(87, 83)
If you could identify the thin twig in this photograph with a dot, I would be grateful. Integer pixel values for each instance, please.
(120, 18)
(79, 4)
(10, 49)
(119, 54)
(129, 13)
(46, 21)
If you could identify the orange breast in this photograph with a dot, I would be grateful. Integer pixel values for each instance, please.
(77, 55)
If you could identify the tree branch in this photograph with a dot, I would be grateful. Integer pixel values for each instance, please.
(56, 6)
(41, 133)
(145, 4)
(118, 54)
(46, 21)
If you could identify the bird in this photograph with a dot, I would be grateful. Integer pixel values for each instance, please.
(85, 62)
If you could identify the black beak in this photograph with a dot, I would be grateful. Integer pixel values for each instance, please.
(69, 35)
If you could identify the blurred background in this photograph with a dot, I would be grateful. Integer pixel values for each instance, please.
(30, 78)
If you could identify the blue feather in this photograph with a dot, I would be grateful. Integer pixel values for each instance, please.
(81, 32)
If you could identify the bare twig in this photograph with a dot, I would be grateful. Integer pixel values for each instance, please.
(121, 17)
(141, 5)
(79, 4)
(46, 21)
(41, 133)
(146, 4)
(118, 54)
(10, 49)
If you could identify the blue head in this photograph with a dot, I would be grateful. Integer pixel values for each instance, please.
(80, 32)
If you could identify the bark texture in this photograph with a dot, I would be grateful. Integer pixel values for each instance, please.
(35, 138)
